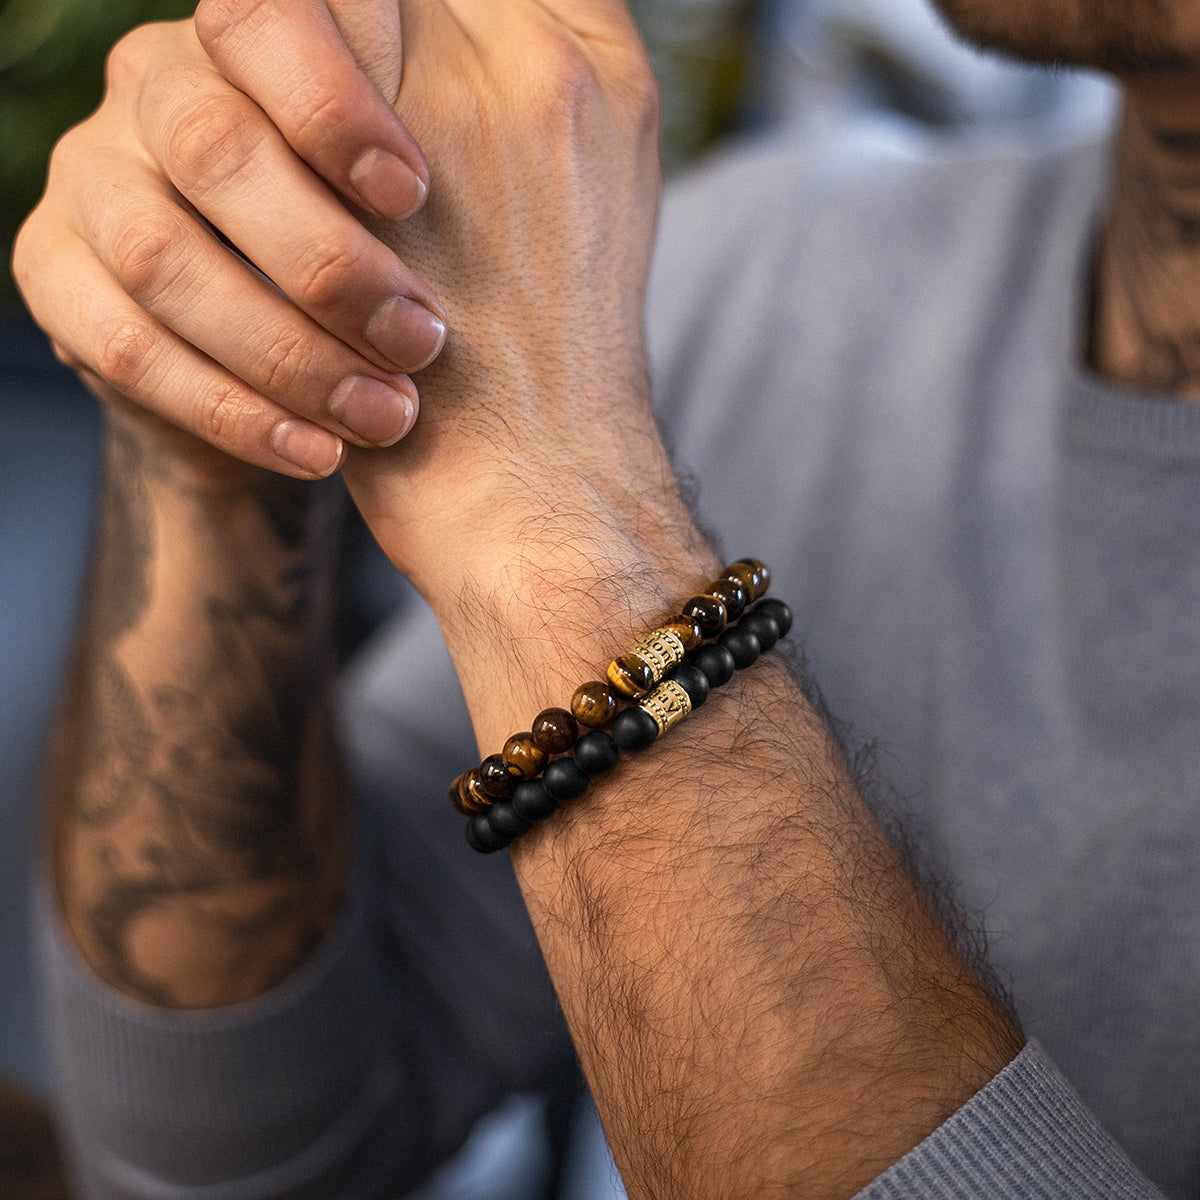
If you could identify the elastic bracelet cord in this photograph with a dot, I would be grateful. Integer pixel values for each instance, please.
(666, 676)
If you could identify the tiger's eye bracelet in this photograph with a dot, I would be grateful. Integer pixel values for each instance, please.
(508, 792)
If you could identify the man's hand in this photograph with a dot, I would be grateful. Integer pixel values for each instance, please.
(127, 261)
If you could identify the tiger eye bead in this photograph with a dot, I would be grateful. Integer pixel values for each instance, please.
(744, 574)
(631, 675)
(498, 781)
(687, 630)
(523, 756)
(732, 594)
(593, 704)
(709, 613)
(554, 730)
(762, 576)
(467, 794)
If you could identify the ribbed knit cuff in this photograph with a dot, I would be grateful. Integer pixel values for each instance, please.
(1027, 1135)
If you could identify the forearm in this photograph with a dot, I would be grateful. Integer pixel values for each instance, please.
(195, 821)
(761, 1002)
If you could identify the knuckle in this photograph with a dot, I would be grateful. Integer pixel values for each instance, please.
(124, 60)
(224, 418)
(567, 74)
(25, 254)
(210, 141)
(146, 256)
(126, 351)
(287, 362)
(326, 274)
(322, 114)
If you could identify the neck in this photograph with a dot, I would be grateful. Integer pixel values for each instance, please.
(1146, 332)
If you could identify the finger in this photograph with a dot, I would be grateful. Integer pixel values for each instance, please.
(172, 266)
(104, 334)
(225, 157)
(290, 58)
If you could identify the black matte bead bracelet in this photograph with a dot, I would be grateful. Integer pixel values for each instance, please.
(635, 728)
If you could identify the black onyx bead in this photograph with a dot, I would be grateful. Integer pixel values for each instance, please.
(716, 662)
(481, 836)
(732, 594)
(498, 781)
(781, 613)
(504, 820)
(763, 626)
(742, 642)
(593, 704)
(596, 753)
(709, 614)
(554, 730)
(564, 780)
(693, 681)
(635, 729)
(532, 801)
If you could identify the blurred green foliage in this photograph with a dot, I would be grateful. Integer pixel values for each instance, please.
(52, 55)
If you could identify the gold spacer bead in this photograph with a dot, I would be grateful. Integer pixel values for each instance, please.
(668, 704)
(662, 649)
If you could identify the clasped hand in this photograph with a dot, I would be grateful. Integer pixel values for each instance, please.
(247, 254)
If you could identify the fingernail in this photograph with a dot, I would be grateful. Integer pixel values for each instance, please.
(375, 412)
(406, 333)
(387, 184)
(315, 451)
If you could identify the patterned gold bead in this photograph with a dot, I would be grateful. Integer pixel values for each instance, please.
(662, 649)
(668, 704)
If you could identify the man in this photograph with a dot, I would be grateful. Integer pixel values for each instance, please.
(980, 534)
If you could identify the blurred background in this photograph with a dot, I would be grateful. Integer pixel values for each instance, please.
(725, 66)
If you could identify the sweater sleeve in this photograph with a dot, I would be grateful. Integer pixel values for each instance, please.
(1025, 1135)
(286, 1096)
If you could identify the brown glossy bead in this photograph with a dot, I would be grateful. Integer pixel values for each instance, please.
(744, 575)
(687, 630)
(522, 755)
(554, 730)
(733, 595)
(467, 794)
(593, 704)
(498, 781)
(709, 613)
(631, 675)
(762, 576)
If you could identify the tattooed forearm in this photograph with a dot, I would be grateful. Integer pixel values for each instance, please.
(196, 824)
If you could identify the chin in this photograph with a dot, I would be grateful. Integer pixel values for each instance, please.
(1124, 37)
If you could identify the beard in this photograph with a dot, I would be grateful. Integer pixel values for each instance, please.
(1124, 37)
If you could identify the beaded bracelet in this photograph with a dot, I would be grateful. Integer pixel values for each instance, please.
(654, 715)
(630, 676)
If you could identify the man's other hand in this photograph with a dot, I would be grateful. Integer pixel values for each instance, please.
(193, 253)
